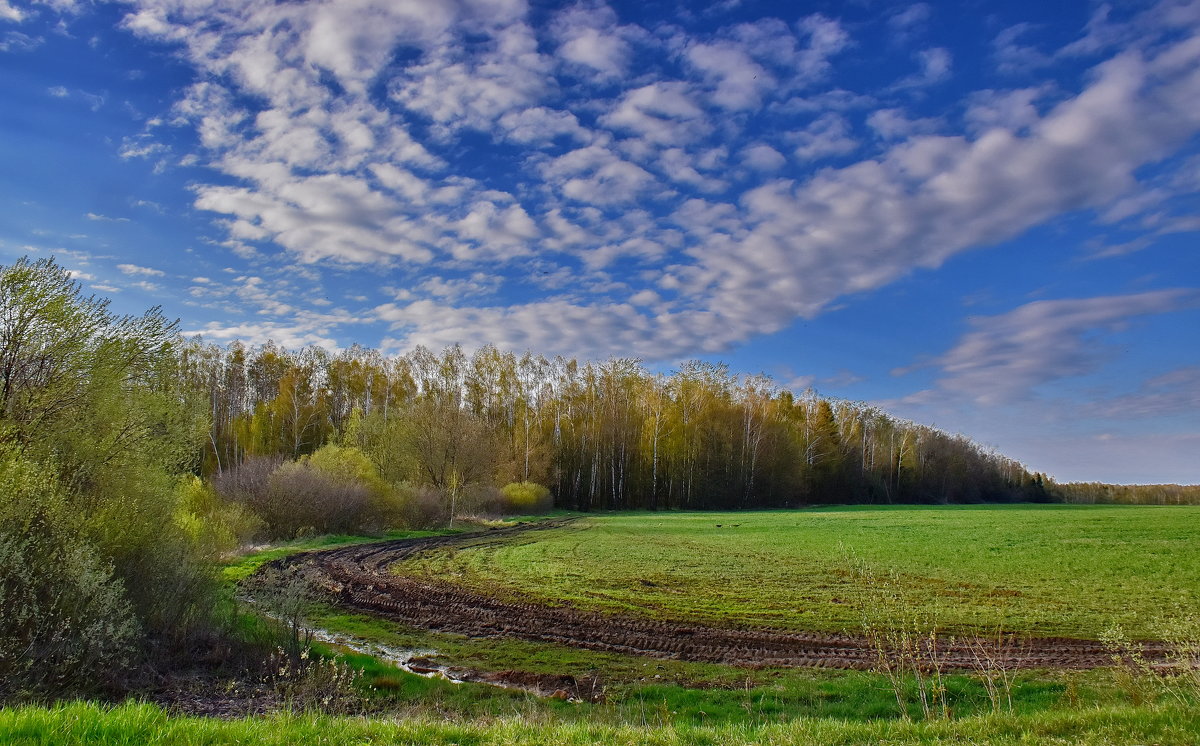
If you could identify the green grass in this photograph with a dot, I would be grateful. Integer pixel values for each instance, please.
(131, 723)
(1042, 569)
(686, 552)
(671, 691)
(637, 688)
(756, 567)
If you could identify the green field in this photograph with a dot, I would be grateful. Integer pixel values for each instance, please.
(1043, 569)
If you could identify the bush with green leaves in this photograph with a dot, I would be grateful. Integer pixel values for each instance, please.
(215, 525)
(66, 619)
(527, 497)
(89, 400)
(336, 489)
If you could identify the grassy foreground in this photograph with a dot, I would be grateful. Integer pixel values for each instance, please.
(133, 723)
(1043, 569)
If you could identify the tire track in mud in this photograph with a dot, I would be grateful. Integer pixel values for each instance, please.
(358, 577)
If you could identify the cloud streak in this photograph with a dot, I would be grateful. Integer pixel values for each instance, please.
(1005, 358)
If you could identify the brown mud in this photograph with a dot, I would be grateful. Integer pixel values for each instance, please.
(360, 577)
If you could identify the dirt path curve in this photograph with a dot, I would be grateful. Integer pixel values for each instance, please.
(359, 577)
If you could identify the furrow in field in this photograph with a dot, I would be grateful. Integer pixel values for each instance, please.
(359, 577)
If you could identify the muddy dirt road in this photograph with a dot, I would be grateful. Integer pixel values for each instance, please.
(360, 577)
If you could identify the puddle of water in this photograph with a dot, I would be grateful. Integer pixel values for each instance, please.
(415, 661)
(398, 657)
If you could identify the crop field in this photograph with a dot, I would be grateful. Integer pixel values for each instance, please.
(1045, 570)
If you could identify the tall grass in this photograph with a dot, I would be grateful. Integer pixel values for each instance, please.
(133, 723)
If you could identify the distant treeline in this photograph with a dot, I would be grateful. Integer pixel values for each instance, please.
(1128, 494)
(602, 436)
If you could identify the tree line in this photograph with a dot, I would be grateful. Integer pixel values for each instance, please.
(608, 435)
(1093, 493)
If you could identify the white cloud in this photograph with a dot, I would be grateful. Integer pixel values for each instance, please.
(93, 100)
(1013, 110)
(1006, 357)
(104, 218)
(862, 226)
(500, 232)
(289, 336)
(906, 23)
(763, 157)
(133, 269)
(1014, 57)
(606, 142)
(591, 38)
(456, 90)
(15, 41)
(9, 13)
(596, 175)
(140, 147)
(935, 65)
(894, 124)
(552, 326)
(1099, 35)
(1175, 393)
(738, 81)
(476, 286)
(827, 135)
(540, 125)
(661, 113)
(678, 166)
(826, 38)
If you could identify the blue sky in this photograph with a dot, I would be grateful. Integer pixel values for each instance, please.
(981, 216)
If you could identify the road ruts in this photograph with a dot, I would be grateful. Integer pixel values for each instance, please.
(359, 577)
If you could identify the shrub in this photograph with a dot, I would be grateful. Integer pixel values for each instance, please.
(482, 500)
(249, 482)
(304, 500)
(423, 506)
(527, 497)
(214, 525)
(347, 464)
(66, 619)
(335, 489)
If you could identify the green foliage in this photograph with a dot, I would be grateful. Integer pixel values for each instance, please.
(214, 525)
(66, 620)
(601, 436)
(94, 399)
(385, 441)
(527, 497)
(1126, 494)
(346, 463)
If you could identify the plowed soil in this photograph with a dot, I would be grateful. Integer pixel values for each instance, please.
(359, 577)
